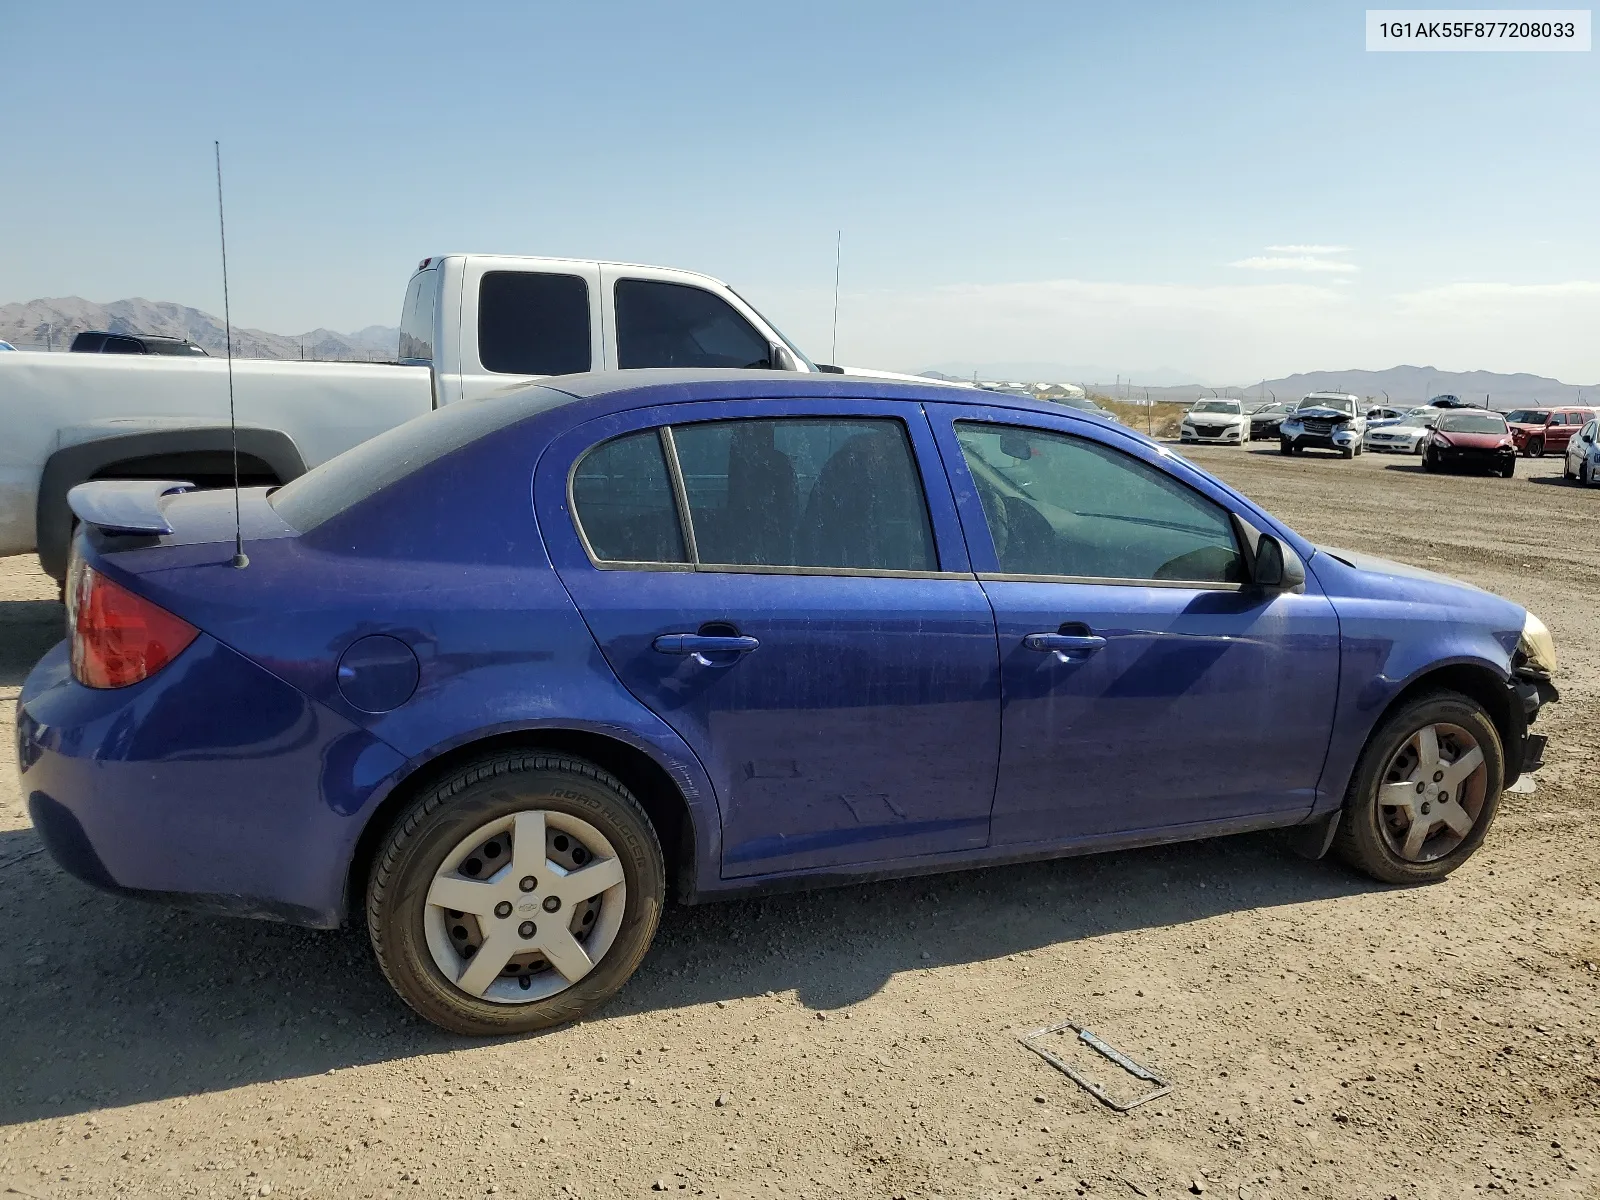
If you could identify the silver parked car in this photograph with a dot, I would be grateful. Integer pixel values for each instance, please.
(1404, 436)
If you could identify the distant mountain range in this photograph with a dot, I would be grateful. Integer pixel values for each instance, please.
(45, 323)
(1404, 384)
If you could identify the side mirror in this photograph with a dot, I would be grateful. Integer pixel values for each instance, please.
(781, 359)
(1277, 568)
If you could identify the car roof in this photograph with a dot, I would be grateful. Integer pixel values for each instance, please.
(666, 385)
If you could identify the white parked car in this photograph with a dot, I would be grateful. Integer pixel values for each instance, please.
(1404, 436)
(1216, 421)
(1326, 421)
(1583, 455)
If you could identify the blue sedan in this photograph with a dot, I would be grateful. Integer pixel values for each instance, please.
(502, 681)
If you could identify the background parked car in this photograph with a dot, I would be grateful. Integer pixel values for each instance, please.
(1264, 422)
(97, 341)
(1083, 404)
(1404, 436)
(1383, 413)
(1478, 440)
(1548, 429)
(6, 346)
(1215, 421)
(1583, 454)
(1326, 421)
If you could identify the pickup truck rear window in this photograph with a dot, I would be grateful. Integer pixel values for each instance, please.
(533, 323)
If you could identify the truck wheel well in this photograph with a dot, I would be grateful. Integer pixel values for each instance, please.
(203, 468)
(654, 789)
(1476, 683)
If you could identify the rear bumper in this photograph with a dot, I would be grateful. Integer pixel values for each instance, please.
(213, 785)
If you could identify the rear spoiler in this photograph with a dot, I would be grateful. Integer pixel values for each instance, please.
(125, 505)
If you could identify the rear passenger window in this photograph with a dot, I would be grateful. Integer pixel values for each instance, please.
(805, 492)
(623, 500)
(674, 325)
(1060, 505)
(530, 323)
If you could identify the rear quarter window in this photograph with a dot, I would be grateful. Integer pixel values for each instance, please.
(533, 323)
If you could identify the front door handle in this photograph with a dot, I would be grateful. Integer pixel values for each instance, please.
(728, 648)
(1065, 646)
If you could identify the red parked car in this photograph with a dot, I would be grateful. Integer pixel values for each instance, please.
(1539, 430)
(1472, 440)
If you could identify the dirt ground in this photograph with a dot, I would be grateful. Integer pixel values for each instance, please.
(1324, 1036)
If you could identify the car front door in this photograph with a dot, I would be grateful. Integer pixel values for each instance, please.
(784, 592)
(1146, 685)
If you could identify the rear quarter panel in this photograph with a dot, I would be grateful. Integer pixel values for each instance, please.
(451, 563)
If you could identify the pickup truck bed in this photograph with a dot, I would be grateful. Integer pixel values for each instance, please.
(66, 421)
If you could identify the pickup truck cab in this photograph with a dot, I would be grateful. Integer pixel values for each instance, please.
(485, 322)
(471, 325)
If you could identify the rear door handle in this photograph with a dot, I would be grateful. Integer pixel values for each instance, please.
(1065, 646)
(702, 645)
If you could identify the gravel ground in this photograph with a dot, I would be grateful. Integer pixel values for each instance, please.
(1324, 1036)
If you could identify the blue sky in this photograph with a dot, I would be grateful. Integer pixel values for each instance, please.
(1084, 184)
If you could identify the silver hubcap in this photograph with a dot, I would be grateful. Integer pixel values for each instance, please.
(525, 906)
(1432, 792)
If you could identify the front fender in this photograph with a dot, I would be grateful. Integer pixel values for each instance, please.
(1396, 629)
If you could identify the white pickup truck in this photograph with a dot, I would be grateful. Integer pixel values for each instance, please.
(471, 325)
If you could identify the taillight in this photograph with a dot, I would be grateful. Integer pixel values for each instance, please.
(118, 638)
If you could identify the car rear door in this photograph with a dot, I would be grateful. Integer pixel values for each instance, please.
(1145, 687)
(781, 583)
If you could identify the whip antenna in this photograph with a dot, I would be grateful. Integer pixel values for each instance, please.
(838, 253)
(240, 559)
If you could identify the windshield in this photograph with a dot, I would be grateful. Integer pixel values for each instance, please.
(1528, 416)
(1343, 403)
(1416, 421)
(1216, 406)
(1472, 423)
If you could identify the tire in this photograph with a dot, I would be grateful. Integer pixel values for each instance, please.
(1510, 469)
(1285, 446)
(1566, 471)
(1348, 452)
(1585, 475)
(1429, 462)
(410, 935)
(1366, 835)
(1536, 447)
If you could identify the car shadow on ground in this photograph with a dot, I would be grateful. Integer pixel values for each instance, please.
(1555, 481)
(28, 628)
(109, 1001)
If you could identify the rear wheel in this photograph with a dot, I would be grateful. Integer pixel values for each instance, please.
(1424, 793)
(521, 892)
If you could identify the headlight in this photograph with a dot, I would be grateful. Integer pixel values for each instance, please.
(1536, 646)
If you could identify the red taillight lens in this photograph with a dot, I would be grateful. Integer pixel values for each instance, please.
(118, 638)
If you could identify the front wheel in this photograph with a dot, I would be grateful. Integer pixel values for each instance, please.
(1585, 475)
(1510, 469)
(1429, 461)
(1424, 793)
(1348, 452)
(521, 892)
(1536, 447)
(1285, 446)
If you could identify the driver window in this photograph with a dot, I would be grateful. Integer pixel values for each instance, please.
(674, 325)
(1060, 505)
